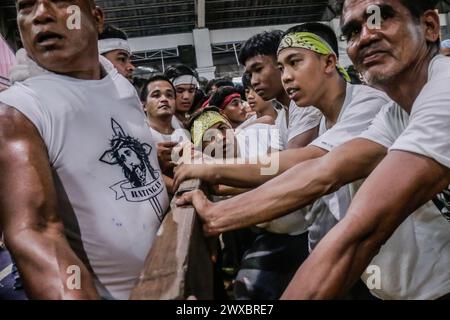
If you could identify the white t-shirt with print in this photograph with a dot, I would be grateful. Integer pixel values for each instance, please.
(109, 185)
(414, 262)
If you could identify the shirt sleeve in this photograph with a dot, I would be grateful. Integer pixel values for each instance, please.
(387, 125)
(302, 120)
(428, 132)
(23, 99)
(355, 119)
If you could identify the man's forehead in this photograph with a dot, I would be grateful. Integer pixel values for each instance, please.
(123, 52)
(257, 60)
(290, 53)
(159, 85)
(186, 86)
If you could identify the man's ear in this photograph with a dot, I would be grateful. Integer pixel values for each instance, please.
(99, 18)
(430, 21)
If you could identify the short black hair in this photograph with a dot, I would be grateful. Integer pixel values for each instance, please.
(246, 81)
(112, 32)
(320, 29)
(154, 78)
(224, 82)
(209, 85)
(265, 44)
(199, 99)
(179, 70)
(219, 96)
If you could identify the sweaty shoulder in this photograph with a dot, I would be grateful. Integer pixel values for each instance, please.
(23, 99)
(13, 124)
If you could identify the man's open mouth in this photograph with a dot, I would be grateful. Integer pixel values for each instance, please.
(47, 38)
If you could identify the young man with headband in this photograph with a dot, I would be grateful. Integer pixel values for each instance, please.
(297, 126)
(185, 81)
(113, 45)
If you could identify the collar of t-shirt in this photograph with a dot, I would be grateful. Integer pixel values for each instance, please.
(28, 68)
(348, 99)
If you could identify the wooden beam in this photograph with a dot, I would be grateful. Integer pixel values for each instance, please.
(179, 263)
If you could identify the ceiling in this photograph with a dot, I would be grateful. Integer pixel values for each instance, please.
(155, 17)
(140, 18)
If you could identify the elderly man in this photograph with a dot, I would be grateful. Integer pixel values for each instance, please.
(416, 168)
(82, 191)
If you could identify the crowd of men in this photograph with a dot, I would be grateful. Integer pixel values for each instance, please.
(327, 182)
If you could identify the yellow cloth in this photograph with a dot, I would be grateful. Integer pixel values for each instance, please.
(311, 41)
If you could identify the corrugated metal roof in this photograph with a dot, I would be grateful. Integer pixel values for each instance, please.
(156, 17)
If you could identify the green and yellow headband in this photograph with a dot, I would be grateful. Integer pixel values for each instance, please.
(310, 41)
(203, 122)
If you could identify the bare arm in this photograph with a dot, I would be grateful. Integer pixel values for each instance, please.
(28, 214)
(247, 175)
(399, 185)
(294, 189)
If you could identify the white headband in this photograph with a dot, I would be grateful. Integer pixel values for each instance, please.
(107, 45)
(185, 79)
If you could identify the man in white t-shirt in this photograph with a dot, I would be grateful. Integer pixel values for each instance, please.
(185, 81)
(158, 96)
(83, 194)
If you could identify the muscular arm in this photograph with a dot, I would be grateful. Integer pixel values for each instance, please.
(398, 186)
(28, 214)
(293, 189)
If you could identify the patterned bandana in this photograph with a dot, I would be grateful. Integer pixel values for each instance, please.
(310, 41)
(203, 122)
